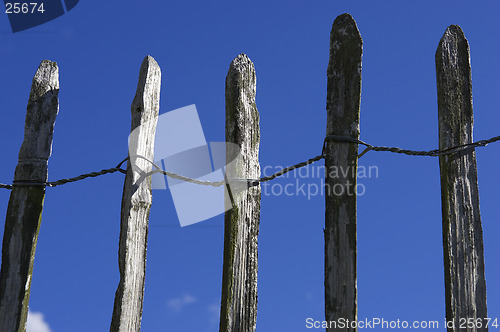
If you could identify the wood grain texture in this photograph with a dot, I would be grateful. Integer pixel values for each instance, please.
(343, 107)
(24, 212)
(465, 283)
(136, 201)
(241, 230)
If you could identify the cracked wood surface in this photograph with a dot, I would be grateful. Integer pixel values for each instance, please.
(465, 283)
(343, 108)
(136, 201)
(241, 223)
(24, 212)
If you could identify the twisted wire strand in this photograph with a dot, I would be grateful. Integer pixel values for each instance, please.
(255, 182)
(431, 153)
(68, 180)
(288, 169)
(174, 175)
(250, 182)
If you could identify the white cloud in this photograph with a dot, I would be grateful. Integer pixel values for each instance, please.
(36, 323)
(178, 303)
(214, 311)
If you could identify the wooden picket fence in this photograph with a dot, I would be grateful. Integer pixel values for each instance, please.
(462, 231)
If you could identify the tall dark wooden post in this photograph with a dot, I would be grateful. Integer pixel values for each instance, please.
(465, 283)
(343, 108)
(24, 212)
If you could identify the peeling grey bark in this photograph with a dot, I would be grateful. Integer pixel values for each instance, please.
(241, 230)
(24, 212)
(136, 201)
(343, 108)
(465, 283)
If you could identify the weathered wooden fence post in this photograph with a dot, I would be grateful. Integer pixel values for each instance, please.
(343, 108)
(241, 230)
(465, 283)
(24, 212)
(136, 201)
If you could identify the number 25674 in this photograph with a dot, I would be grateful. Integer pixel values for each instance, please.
(23, 7)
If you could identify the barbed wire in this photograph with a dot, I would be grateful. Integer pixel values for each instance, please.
(255, 182)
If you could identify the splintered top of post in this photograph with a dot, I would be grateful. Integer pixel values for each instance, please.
(242, 70)
(242, 116)
(344, 77)
(454, 84)
(42, 109)
(453, 45)
(452, 35)
(241, 63)
(46, 79)
(150, 62)
(145, 109)
(346, 45)
(148, 91)
(345, 32)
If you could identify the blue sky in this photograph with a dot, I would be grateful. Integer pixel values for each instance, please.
(99, 47)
